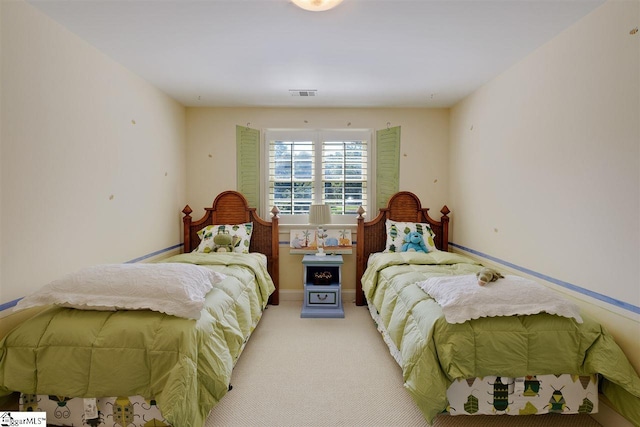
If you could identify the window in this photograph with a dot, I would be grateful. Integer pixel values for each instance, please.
(310, 167)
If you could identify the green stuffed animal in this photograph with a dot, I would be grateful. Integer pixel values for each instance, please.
(486, 275)
(224, 242)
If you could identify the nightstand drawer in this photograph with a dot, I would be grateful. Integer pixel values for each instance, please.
(325, 298)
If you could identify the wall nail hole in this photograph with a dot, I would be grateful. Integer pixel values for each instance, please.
(634, 31)
(111, 197)
(495, 230)
(210, 155)
(435, 180)
(133, 122)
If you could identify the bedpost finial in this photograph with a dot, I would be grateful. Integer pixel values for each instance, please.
(360, 212)
(445, 210)
(187, 210)
(275, 212)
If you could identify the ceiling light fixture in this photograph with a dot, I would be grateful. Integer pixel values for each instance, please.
(316, 5)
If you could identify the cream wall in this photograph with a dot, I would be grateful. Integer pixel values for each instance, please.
(93, 157)
(545, 167)
(211, 155)
(93, 161)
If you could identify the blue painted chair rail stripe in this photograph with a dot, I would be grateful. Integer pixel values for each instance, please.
(9, 304)
(567, 285)
(152, 254)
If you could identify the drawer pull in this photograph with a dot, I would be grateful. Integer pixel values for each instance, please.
(322, 298)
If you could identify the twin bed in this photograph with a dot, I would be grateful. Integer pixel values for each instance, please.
(161, 357)
(516, 363)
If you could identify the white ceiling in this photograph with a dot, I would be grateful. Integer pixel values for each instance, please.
(364, 53)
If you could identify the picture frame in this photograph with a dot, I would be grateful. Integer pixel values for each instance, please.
(305, 240)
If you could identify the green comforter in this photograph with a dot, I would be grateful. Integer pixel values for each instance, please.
(184, 364)
(434, 352)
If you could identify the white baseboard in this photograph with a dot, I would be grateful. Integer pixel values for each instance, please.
(291, 295)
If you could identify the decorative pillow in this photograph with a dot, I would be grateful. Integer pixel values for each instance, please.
(171, 288)
(240, 232)
(397, 232)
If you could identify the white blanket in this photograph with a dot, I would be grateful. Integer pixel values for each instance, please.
(172, 288)
(462, 299)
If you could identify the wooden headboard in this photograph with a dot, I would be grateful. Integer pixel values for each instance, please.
(403, 206)
(231, 207)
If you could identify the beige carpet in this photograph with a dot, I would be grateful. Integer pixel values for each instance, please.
(333, 372)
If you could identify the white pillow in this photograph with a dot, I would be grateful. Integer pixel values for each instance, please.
(172, 288)
(397, 231)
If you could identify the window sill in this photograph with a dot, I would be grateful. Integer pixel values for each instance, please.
(331, 226)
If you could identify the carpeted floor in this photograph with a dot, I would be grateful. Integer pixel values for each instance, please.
(333, 372)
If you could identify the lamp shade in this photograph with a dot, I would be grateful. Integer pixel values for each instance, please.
(316, 5)
(319, 214)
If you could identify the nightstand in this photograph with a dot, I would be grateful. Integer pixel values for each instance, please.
(322, 286)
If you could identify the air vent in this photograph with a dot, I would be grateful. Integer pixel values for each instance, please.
(306, 92)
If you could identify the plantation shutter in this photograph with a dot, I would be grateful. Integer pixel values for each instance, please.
(387, 164)
(248, 164)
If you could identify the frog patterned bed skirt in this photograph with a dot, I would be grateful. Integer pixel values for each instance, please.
(566, 394)
(121, 411)
(562, 394)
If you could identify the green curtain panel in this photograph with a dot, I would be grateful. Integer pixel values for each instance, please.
(248, 167)
(387, 164)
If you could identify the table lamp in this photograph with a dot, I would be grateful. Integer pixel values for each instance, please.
(320, 215)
